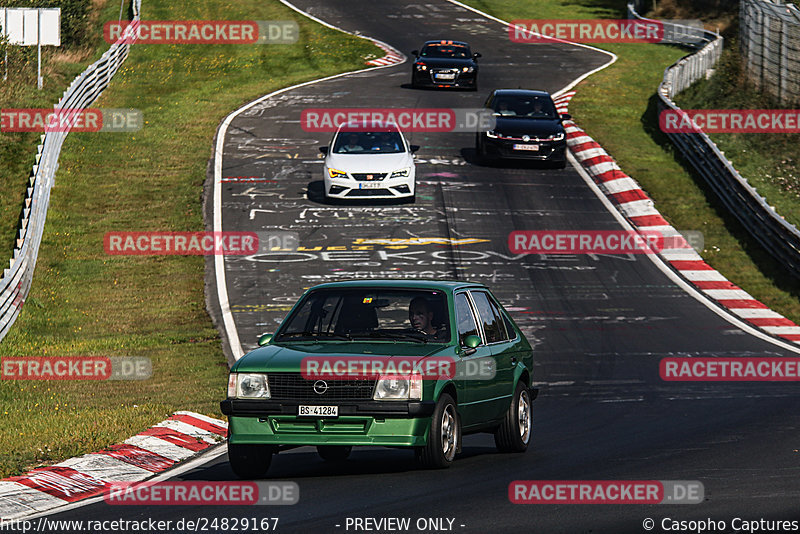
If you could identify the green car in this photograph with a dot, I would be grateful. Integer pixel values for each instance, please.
(395, 363)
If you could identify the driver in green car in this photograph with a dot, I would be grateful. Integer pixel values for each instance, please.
(421, 316)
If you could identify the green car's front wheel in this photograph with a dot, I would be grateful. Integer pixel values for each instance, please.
(444, 436)
(250, 461)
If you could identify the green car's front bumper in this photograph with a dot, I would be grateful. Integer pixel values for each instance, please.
(392, 424)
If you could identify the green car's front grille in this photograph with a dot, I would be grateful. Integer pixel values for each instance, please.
(292, 386)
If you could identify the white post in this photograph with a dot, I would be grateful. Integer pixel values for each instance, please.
(5, 31)
(39, 46)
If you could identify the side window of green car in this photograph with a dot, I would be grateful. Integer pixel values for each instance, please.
(465, 319)
(493, 324)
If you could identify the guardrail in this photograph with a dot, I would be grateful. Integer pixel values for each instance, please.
(769, 37)
(16, 280)
(778, 237)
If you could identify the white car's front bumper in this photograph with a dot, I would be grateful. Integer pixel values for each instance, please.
(350, 188)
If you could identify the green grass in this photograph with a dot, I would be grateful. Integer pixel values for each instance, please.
(86, 303)
(617, 107)
(769, 162)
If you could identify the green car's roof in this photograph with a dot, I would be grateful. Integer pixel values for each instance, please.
(442, 285)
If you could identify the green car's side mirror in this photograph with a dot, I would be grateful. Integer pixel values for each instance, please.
(472, 341)
(266, 338)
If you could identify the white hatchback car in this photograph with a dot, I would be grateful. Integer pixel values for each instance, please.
(369, 163)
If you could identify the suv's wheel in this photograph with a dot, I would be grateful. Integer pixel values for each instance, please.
(250, 461)
(444, 436)
(334, 453)
(514, 433)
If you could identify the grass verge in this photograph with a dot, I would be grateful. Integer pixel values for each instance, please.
(617, 107)
(85, 303)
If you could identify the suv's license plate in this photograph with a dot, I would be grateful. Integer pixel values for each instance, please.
(318, 411)
(526, 147)
(445, 76)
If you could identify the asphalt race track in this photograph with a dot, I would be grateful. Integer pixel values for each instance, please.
(600, 324)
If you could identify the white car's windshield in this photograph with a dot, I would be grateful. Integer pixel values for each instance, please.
(368, 143)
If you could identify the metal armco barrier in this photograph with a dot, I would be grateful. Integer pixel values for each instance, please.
(778, 237)
(769, 37)
(16, 280)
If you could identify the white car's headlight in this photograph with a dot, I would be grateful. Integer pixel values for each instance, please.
(401, 173)
(335, 173)
(558, 137)
(398, 388)
(248, 386)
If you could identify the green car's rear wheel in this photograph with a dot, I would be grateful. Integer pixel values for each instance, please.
(250, 461)
(515, 432)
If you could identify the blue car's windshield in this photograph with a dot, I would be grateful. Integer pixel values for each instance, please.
(369, 313)
(446, 51)
(534, 107)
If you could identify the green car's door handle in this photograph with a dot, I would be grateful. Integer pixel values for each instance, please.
(513, 360)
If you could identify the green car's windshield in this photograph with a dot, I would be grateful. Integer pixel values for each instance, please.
(412, 316)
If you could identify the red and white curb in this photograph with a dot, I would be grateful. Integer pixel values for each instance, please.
(634, 204)
(392, 57)
(178, 438)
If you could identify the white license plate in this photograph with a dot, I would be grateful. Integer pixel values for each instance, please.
(370, 185)
(318, 411)
(445, 76)
(535, 148)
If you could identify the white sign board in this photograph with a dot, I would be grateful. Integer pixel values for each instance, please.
(22, 26)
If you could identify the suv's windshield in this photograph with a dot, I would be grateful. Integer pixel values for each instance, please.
(419, 316)
(537, 107)
(368, 143)
(446, 51)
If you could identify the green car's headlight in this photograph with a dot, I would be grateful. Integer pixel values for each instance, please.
(248, 386)
(398, 388)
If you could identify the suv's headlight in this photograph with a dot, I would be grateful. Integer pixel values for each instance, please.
(335, 173)
(492, 134)
(557, 137)
(398, 388)
(401, 173)
(421, 66)
(467, 69)
(248, 386)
